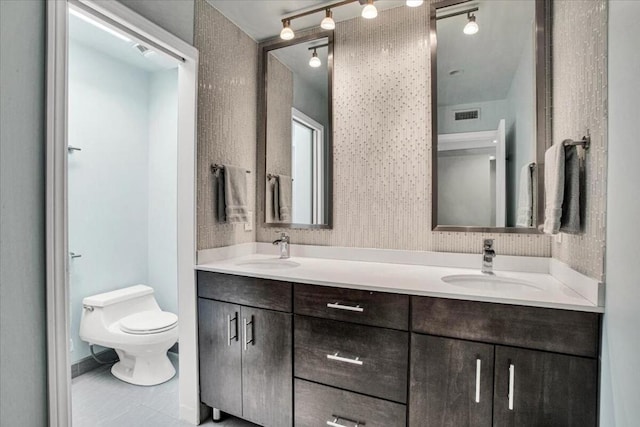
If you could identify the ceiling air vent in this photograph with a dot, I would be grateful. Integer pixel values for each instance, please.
(467, 114)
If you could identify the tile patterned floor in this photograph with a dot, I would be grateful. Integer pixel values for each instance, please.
(101, 400)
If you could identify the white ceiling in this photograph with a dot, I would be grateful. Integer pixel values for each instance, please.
(489, 58)
(261, 19)
(87, 34)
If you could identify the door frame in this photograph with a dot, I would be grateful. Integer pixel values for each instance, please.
(319, 161)
(139, 28)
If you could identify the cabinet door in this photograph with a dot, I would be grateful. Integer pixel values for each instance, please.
(535, 388)
(220, 355)
(267, 370)
(451, 382)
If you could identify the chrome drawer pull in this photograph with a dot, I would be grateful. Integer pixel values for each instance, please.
(339, 306)
(245, 324)
(235, 336)
(336, 418)
(335, 356)
(478, 368)
(512, 374)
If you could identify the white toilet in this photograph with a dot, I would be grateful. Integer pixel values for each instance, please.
(130, 321)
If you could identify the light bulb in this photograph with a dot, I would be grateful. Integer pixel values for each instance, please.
(328, 23)
(471, 27)
(315, 61)
(369, 11)
(414, 3)
(287, 32)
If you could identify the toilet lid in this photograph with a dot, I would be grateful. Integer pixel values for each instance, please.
(148, 322)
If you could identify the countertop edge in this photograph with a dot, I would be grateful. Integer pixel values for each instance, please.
(405, 291)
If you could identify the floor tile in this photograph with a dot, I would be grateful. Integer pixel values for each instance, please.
(101, 400)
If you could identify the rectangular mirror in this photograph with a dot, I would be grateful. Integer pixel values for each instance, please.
(298, 136)
(489, 114)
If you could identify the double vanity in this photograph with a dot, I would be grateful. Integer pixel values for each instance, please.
(311, 341)
(348, 337)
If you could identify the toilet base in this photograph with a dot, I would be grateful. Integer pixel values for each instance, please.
(146, 370)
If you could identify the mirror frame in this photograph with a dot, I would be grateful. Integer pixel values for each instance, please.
(266, 47)
(543, 117)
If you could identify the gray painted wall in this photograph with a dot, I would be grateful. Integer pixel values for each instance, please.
(621, 342)
(175, 16)
(22, 253)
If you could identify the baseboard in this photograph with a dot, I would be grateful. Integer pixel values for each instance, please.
(89, 364)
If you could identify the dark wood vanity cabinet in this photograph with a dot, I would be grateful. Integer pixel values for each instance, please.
(457, 382)
(451, 382)
(245, 353)
(344, 357)
(351, 357)
(548, 389)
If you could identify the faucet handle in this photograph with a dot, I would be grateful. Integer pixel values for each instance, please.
(284, 237)
(488, 243)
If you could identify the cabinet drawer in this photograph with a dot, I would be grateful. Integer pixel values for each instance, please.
(561, 331)
(364, 359)
(365, 307)
(319, 405)
(251, 291)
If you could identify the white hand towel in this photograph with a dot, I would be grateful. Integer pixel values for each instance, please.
(235, 194)
(525, 197)
(286, 196)
(553, 188)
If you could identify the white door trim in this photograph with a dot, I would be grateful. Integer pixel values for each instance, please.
(57, 284)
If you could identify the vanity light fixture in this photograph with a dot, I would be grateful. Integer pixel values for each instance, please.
(472, 26)
(287, 32)
(369, 11)
(328, 23)
(315, 61)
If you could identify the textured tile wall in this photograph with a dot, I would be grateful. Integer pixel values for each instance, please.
(579, 103)
(279, 126)
(227, 111)
(382, 133)
(382, 180)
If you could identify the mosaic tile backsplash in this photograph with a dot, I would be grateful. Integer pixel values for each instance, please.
(579, 103)
(227, 111)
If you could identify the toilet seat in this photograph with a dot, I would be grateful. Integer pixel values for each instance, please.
(148, 322)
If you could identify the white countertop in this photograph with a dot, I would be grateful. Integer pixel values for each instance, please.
(405, 279)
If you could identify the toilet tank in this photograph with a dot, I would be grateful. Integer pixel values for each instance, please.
(114, 305)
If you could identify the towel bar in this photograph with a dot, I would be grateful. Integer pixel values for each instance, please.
(270, 175)
(585, 142)
(216, 167)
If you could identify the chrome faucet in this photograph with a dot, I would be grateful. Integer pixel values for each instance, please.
(488, 254)
(283, 243)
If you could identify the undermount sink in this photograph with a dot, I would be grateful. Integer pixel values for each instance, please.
(269, 264)
(490, 283)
